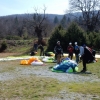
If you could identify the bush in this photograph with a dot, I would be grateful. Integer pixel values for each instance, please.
(93, 39)
(9, 37)
(96, 42)
(3, 46)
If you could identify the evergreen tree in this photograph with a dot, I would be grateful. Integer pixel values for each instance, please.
(97, 42)
(68, 20)
(92, 39)
(63, 21)
(16, 20)
(56, 21)
(57, 35)
(80, 20)
(74, 34)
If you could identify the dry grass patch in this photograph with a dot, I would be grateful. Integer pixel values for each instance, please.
(29, 88)
(8, 66)
(92, 88)
(38, 88)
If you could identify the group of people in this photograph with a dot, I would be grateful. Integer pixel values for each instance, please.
(71, 50)
(84, 53)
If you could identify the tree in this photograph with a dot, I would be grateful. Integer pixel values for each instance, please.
(74, 34)
(39, 23)
(56, 21)
(57, 35)
(63, 21)
(3, 46)
(25, 33)
(92, 37)
(97, 42)
(90, 12)
(68, 20)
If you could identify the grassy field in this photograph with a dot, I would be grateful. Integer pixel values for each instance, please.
(33, 87)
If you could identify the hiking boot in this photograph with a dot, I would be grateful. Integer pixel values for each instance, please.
(83, 71)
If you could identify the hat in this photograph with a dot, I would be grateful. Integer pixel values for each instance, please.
(70, 43)
(58, 41)
(75, 42)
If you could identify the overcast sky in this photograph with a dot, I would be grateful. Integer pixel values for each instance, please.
(9, 7)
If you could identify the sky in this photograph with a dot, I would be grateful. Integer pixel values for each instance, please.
(9, 7)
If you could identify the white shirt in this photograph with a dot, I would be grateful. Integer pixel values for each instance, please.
(81, 50)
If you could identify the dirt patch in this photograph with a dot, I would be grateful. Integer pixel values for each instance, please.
(2, 55)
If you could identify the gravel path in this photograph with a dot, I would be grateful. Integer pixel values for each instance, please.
(46, 72)
(65, 77)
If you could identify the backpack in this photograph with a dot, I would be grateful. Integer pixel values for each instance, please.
(89, 54)
(77, 50)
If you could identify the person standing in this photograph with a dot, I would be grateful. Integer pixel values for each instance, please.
(41, 49)
(77, 51)
(58, 52)
(81, 52)
(35, 47)
(86, 56)
(70, 50)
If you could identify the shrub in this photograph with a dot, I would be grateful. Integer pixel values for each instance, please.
(10, 37)
(3, 46)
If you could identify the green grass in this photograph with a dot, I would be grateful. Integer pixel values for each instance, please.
(29, 88)
(85, 88)
(37, 88)
(92, 67)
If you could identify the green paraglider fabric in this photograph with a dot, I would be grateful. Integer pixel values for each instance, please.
(56, 71)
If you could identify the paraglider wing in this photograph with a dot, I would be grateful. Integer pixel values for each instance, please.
(65, 65)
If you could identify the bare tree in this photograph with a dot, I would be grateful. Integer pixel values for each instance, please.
(39, 22)
(90, 12)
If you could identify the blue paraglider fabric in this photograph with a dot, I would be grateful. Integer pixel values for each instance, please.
(65, 65)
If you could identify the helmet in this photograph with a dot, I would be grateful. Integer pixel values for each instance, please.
(75, 43)
(58, 41)
(70, 43)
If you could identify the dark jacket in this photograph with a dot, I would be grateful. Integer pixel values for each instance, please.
(41, 47)
(88, 55)
(58, 49)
